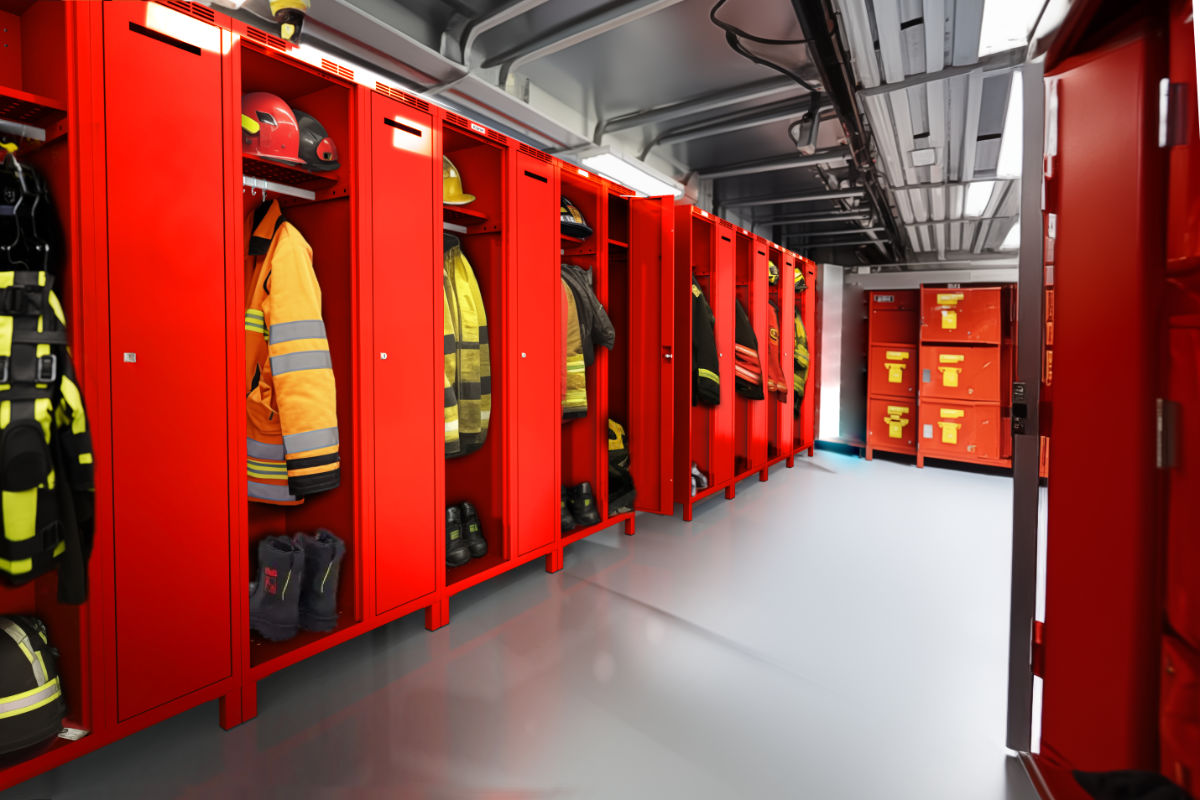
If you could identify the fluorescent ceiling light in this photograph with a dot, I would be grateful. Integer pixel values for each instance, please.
(978, 195)
(1007, 24)
(1013, 240)
(1009, 163)
(636, 176)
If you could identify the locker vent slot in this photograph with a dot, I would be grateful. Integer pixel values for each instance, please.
(265, 39)
(162, 37)
(337, 69)
(462, 122)
(196, 10)
(538, 154)
(401, 126)
(403, 97)
(536, 177)
(499, 137)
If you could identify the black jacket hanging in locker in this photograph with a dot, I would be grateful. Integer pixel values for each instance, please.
(706, 377)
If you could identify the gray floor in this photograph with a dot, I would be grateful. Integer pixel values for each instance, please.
(838, 632)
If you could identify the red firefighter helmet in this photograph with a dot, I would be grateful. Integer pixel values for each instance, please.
(269, 128)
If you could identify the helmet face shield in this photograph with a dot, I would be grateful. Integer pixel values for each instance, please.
(269, 128)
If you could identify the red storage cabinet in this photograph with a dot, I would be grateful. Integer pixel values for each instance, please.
(166, 247)
(892, 370)
(963, 373)
(892, 424)
(405, 350)
(962, 315)
(962, 431)
(894, 316)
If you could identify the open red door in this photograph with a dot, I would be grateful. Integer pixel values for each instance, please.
(651, 369)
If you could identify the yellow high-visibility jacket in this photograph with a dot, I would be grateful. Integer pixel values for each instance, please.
(800, 355)
(291, 400)
(468, 365)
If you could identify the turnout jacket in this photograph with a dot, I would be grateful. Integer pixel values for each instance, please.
(800, 374)
(588, 326)
(291, 400)
(467, 356)
(706, 372)
(774, 365)
(748, 373)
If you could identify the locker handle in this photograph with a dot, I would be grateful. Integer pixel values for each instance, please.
(162, 37)
(401, 126)
(726, 238)
(536, 177)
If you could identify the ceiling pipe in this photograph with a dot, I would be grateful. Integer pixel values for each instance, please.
(799, 219)
(695, 105)
(790, 161)
(826, 234)
(572, 32)
(818, 22)
(839, 243)
(776, 112)
(794, 198)
(463, 30)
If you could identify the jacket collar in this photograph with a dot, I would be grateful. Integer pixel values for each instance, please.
(266, 220)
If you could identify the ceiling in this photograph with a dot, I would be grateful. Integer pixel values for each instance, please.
(658, 80)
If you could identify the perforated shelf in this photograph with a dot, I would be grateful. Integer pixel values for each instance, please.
(258, 167)
(34, 110)
(461, 215)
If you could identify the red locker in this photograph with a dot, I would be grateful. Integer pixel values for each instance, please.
(963, 373)
(892, 424)
(963, 431)
(962, 315)
(779, 414)
(1179, 724)
(169, 293)
(722, 300)
(1183, 513)
(894, 316)
(893, 370)
(652, 359)
(535, 411)
(407, 325)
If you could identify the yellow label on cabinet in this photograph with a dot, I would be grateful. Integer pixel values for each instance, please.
(896, 428)
(896, 411)
(896, 355)
(895, 372)
(950, 376)
(949, 319)
(949, 432)
(949, 299)
(951, 413)
(951, 358)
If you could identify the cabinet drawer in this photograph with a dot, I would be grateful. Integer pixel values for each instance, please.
(892, 425)
(962, 373)
(962, 315)
(893, 371)
(963, 431)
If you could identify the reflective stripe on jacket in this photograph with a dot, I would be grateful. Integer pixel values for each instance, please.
(574, 402)
(467, 356)
(774, 369)
(291, 404)
(748, 377)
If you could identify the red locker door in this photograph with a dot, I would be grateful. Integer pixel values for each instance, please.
(758, 317)
(407, 335)
(652, 321)
(168, 290)
(723, 309)
(787, 348)
(535, 413)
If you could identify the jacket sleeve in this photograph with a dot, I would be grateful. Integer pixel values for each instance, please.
(302, 368)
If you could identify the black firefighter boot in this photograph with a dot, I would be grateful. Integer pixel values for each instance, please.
(472, 531)
(568, 521)
(275, 596)
(323, 554)
(583, 504)
(457, 553)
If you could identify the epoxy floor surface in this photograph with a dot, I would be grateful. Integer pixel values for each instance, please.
(837, 633)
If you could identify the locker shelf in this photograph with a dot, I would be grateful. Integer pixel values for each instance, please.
(30, 115)
(615, 243)
(267, 170)
(267, 657)
(572, 239)
(460, 215)
(570, 537)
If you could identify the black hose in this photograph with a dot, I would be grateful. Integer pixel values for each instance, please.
(734, 35)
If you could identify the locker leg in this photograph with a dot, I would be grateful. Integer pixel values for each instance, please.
(791, 461)
(554, 560)
(762, 476)
(249, 700)
(631, 526)
(812, 450)
(868, 454)
(687, 512)
(437, 615)
(230, 710)
(920, 461)
(730, 491)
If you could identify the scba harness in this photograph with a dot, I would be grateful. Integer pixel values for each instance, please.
(46, 481)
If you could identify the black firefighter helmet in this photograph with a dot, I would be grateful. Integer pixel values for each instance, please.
(31, 701)
(573, 223)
